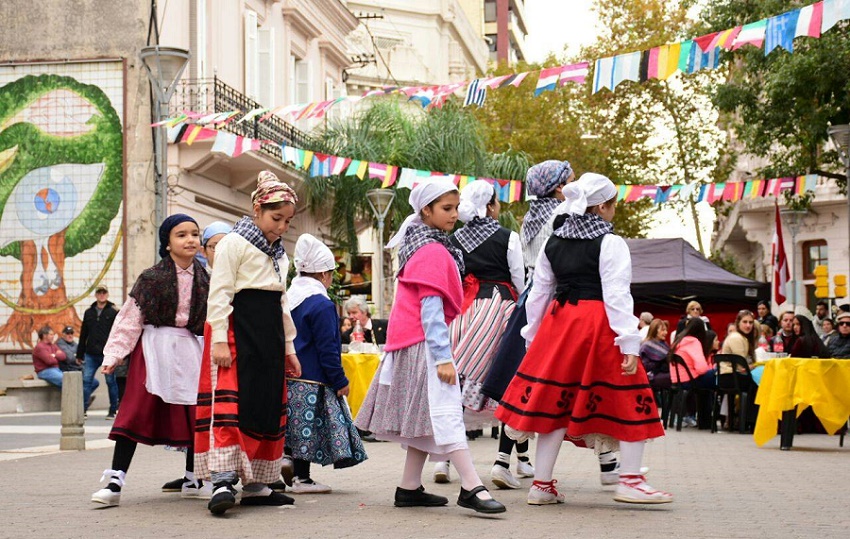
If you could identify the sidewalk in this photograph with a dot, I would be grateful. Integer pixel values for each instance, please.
(724, 486)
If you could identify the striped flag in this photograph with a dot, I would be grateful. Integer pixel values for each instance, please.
(810, 20)
(548, 79)
(321, 165)
(574, 73)
(475, 94)
(726, 38)
(781, 275)
(751, 34)
(339, 165)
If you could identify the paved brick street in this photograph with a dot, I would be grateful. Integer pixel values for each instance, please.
(724, 485)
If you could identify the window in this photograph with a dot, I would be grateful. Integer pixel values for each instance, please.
(252, 75)
(265, 62)
(490, 11)
(299, 80)
(815, 253)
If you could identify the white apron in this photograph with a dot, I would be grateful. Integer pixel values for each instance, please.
(173, 363)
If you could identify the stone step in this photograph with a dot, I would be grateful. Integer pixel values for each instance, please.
(10, 405)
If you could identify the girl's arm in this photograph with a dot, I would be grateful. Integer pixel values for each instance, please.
(125, 333)
(323, 325)
(515, 263)
(436, 330)
(615, 271)
(228, 256)
(542, 292)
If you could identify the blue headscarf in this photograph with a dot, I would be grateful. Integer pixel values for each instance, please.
(165, 230)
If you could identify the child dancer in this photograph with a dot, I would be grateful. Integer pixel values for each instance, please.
(248, 351)
(319, 427)
(581, 379)
(414, 398)
(158, 327)
(493, 277)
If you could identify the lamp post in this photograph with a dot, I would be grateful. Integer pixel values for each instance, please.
(164, 66)
(794, 219)
(840, 136)
(380, 201)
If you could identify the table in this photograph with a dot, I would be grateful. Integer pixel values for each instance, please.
(359, 369)
(789, 385)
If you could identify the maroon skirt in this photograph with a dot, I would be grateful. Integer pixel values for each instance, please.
(572, 378)
(146, 418)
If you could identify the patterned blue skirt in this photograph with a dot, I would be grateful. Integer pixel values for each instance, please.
(319, 428)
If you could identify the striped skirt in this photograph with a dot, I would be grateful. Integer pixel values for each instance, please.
(475, 337)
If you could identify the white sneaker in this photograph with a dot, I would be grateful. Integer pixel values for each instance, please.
(613, 478)
(441, 473)
(190, 489)
(524, 469)
(503, 478)
(300, 487)
(544, 494)
(634, 489)
(108, 497)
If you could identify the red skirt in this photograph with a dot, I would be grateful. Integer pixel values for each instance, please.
(571, 378)
(146, 418)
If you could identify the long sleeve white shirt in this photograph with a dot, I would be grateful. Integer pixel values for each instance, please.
(615, 271)
(516, 263)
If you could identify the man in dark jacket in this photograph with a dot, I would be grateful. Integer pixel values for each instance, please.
(839, 346)
(97, 323)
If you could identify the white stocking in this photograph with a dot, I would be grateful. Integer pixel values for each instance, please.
(631, 456)
(462, 461)
(548, 446)
(411, 479)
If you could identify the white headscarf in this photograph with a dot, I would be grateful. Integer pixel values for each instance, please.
(474, 199)
(421, 195)
(313, 256)
(590, 190)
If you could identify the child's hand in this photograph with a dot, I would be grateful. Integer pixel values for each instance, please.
(447, 374)
(342, 392)
(629, 364)
(292, 366)
(221, 354)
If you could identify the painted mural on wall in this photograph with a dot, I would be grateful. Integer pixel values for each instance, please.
(61, 185)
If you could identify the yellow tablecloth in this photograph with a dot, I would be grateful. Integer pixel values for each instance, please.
(789, 383)
(359, 369)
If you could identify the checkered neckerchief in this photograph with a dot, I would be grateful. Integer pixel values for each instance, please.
(587, 226)
(419, 235)
(246, 228)
(475, 232)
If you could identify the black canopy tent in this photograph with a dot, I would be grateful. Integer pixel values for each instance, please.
(670, 272)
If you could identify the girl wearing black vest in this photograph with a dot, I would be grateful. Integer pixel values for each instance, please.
(581, 379)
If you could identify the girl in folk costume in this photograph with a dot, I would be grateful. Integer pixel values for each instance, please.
(581, 379)
(415, 398)
(319, 425)
(493, 277)
(158, 328)
(248, 352)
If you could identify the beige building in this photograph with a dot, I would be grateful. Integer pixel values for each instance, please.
(504, 26)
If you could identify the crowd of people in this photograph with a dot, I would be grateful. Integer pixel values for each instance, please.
(535, 331)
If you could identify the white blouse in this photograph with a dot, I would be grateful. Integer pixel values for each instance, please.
(533, 248)
(515, 263)
(241, 266)
(615, 271)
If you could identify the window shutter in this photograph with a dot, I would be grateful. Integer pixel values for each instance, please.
(266, 71)
(251, 75)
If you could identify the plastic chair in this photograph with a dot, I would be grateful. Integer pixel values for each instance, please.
(680, 390)
(731, 384)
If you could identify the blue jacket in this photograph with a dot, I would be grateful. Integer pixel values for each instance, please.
(317, 343)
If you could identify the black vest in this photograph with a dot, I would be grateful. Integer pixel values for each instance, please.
(575, 264)
(489, 263)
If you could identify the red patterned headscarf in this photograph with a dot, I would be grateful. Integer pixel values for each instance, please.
(270, 190)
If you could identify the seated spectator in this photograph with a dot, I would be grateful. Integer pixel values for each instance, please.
(807, 344)
(643, 324)
(829, 331)
(693, 310)
(839, 346)
(765, 316)
(742, 341)
(711, 336)
(693, 347)
(374, 331)
(785, 337)
(653, 354)
(821, 314)
(345, 329)
(46, 357)
(67, 344)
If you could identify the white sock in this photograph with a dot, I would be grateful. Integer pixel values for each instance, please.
(631, 456)
(548, 446)
(190, 476)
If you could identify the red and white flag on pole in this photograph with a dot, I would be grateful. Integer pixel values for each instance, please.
(781, 275)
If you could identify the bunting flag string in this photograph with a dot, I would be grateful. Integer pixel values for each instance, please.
(316, 164)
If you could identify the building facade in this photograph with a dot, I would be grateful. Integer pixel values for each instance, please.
(504, 26)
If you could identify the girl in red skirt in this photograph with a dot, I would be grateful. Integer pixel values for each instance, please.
(248, 352)
(158, 328)
(586, 384)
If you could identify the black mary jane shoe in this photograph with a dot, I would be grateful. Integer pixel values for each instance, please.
(273, 499)
(470, 500)
(418, 498)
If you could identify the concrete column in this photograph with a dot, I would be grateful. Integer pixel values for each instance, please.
(72, 434)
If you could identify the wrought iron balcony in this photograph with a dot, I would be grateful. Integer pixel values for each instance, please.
(213, 95)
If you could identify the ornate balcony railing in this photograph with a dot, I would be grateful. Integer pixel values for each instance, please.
(213, 95)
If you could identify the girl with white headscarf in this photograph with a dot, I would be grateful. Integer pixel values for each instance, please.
(414, 398)
(319, 428)
(581, 379)
(493, 278)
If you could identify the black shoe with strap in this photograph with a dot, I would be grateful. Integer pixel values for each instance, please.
(418, 498)
(273, 499)
(223, 498)
(470, 500)
(174, 486)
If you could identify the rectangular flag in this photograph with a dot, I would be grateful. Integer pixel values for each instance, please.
(751, 34)
(321, 165)
(726, 38)
(781, 275)
(339, 165)
(834, 11)
(475, 94)
(357, 168)
(780, 31)
(574, 73)
(810, 20)
(626, 67)
(224, 143)
(602, 71)
(548, 79)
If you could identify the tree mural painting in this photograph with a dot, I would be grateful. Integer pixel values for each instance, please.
(61, 176)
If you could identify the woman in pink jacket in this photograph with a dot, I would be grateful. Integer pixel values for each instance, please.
(693, 346)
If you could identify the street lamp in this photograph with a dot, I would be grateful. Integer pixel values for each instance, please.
(164, 66)
(794, 219)
(380, 201)
(840, 136)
